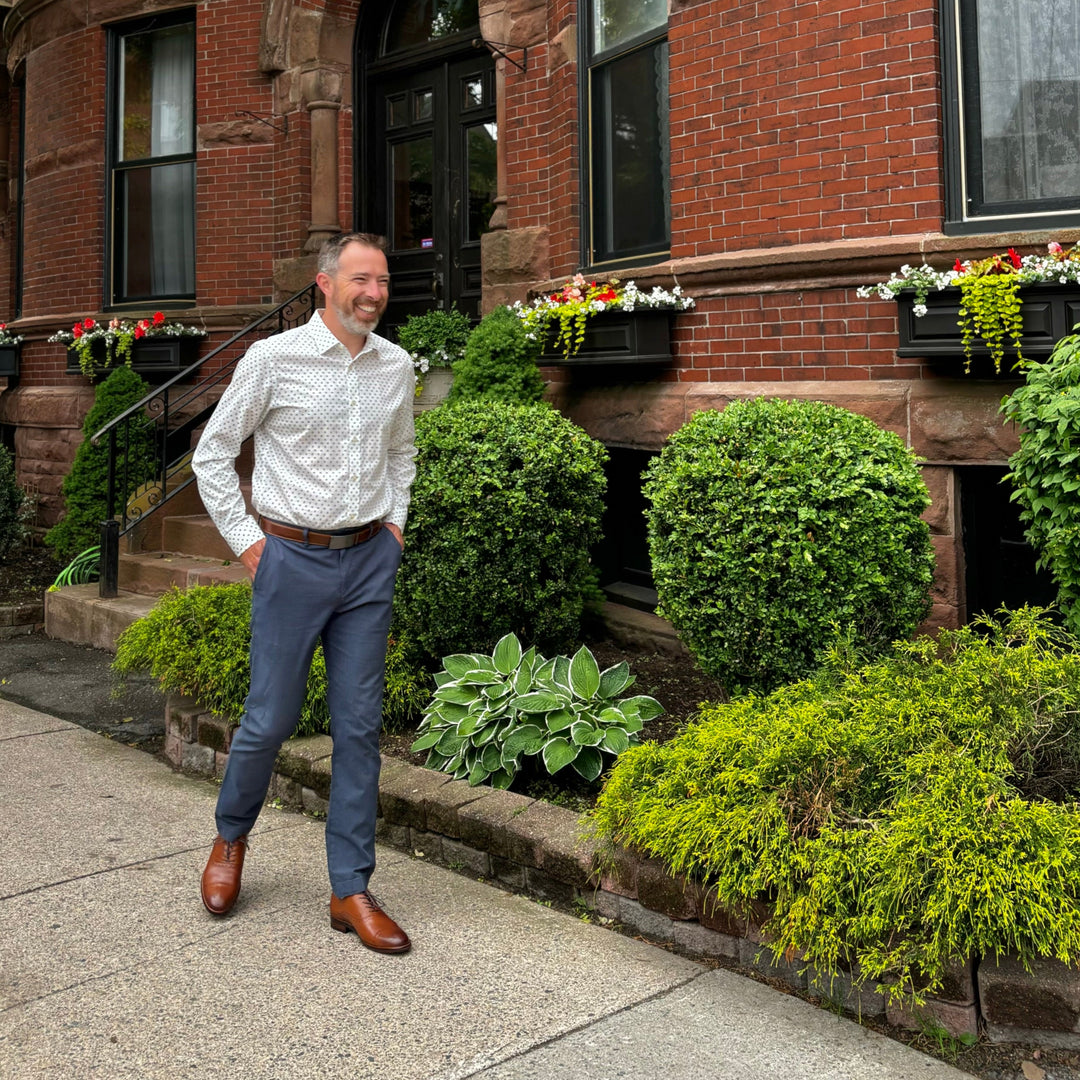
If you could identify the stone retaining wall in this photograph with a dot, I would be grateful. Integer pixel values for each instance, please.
(19, 619)
(539, 849)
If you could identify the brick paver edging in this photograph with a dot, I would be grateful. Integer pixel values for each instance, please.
(19, 619)
(542, 850)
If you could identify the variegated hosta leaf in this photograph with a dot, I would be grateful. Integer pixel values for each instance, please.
(497, 691)
(458, 665)
(561, 673)
(584, 674)
(539, 701)
(477, 775)
(450, 744)
(632, 725)
(526, 739)
(426, 741)
(560, 720)
(612, 715)
(522, 682)
(583, 733)
(643, 706)
(588, 763)
(448, 712)
(457, 695)
(507, 654)
(557, 754)
(615, 680)
(503, 778)
(491, 759)
(615, 740)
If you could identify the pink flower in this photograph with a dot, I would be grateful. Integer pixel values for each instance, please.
(1054, 248)
(114, 324)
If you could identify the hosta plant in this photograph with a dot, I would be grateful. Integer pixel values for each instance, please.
(489, 713)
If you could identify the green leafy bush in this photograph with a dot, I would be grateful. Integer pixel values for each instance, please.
(499, 363)
(897, 815)
(1045, 471)
(84, 487)
(13, 506)
(197, 643)
(506, 504)
(774, 523)
(435, 338)
(490, 712)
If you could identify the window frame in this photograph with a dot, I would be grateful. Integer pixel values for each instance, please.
(112, 298)
(964, 215)
(586, 144)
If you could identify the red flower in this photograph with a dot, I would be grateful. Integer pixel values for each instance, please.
(89, 324)
(158, 318)
(608, 294)
(1015, 258)
(77, 330)
(958, 266)
(140, 331)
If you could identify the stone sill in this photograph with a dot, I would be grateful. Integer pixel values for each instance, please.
(541, 850)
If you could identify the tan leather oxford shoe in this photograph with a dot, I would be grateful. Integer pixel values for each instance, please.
(362, 914)
(221, 878)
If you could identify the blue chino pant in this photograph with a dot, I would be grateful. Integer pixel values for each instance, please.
(300, 594)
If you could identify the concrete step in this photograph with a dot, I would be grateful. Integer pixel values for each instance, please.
(151, 573)
(77, 614)
(194, 534)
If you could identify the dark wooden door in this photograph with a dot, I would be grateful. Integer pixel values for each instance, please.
(433, 188)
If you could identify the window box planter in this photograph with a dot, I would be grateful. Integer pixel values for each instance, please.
(9, 360)
(149, 356)
(1050, 311)
(642, 336)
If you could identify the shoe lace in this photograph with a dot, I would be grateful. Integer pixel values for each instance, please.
(230, 845)
(368, 900)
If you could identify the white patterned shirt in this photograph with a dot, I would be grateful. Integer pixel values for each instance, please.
(333, 435)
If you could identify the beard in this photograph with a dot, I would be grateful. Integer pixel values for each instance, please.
(354, 323)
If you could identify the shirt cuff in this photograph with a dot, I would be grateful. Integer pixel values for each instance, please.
(244, 534)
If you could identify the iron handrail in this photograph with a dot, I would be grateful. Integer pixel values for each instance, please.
(165, 422)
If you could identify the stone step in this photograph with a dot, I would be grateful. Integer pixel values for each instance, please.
(194, 534)
(151, 573)
(77, 614)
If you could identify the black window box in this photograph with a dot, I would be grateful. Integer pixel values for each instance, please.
(1049, 311)
(149, 356)
(619, 337)
(9, 360)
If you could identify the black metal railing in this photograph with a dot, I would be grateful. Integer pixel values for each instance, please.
(159, 429)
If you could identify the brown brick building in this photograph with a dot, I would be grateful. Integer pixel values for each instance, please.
(769, 156)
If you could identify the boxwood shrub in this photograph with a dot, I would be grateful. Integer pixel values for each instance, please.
(898, 815)
(505, 507)
(196, 642)
(499, 363)
(774, 523)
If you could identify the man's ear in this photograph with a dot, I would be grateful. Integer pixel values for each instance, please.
(323, 281)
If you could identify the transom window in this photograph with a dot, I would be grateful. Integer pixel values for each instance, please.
(414, 23)
(1013, 123)
(152, 161)
(626, 161)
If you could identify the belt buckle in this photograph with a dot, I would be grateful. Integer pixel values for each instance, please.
(337, 543)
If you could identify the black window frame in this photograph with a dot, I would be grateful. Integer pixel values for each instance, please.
(589, 147)
(113, 299)
(966, 213)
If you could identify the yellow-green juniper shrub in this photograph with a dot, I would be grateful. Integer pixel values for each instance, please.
(196, 642)
(898, 815)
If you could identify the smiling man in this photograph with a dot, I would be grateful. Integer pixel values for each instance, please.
(330, 408)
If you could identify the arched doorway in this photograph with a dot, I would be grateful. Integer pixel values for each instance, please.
(426, 142)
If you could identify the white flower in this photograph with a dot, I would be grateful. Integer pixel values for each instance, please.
(919, 310)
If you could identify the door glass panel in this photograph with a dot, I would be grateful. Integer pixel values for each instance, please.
(157, 93)
(157, 241)
(412, 194)
(423, 105)
(480, 142)
(472, 92)
(417, 22)
(616, 21)
(396, 116)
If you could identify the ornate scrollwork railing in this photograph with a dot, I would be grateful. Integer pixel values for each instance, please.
(159, 429)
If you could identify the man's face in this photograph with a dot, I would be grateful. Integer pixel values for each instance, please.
(358, 293)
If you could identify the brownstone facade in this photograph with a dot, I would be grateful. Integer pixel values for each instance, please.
(807, 157)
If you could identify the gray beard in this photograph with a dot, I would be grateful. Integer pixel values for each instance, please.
(352, 324)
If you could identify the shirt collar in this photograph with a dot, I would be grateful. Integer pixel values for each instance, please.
(325, 342)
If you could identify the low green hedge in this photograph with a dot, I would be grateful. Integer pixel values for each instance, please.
(197, 643)
(898, 815)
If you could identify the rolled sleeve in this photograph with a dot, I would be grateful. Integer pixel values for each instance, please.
(238, 413)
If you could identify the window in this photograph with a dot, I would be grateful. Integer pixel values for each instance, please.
(1013, 115)
(626, 157)
(152, 162)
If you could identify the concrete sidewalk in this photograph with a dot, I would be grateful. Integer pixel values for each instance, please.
(110, 967)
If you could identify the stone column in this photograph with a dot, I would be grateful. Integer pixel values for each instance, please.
(322, 99)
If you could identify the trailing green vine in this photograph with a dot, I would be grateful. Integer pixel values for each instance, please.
(990, 309)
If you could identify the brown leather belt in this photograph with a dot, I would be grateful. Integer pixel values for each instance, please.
(346, 538)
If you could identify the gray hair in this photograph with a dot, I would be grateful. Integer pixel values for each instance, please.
(330, 252)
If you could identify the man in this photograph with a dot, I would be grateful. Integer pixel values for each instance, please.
(330, 406)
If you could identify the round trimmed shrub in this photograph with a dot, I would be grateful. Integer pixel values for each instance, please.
(499, 363)
(773, 525)
(505, 507)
